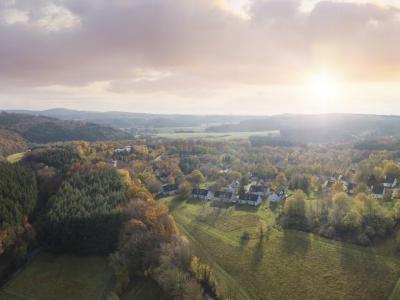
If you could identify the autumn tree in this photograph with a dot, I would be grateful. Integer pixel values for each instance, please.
(196, 178)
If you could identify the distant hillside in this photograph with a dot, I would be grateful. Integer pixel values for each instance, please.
(319, 128)
(11, 142)
(136, 120)
(39, 129)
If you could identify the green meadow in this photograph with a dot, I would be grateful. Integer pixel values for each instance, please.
(59, 277)
(284, 264)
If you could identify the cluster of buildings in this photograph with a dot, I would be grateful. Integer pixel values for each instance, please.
(254, 194)
(380, 188)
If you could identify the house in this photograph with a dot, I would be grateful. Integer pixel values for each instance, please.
(277, 196)
(234, 186)
(201, 194)
(250, 199)
(390, 182)
(169, 189)
(378, 190)
(259, 190)
(224, 196)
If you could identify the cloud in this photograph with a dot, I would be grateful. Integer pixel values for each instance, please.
(178, 45)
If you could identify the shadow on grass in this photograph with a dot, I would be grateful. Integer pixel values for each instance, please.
(243, 243)
(295, 242)
(258, 254)
(247, 208)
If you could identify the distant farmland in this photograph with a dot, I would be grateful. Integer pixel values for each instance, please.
(285, 264)
(214, 135)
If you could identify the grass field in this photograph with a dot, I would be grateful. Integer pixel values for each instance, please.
(215, 135)
(285, 264)
(59, 277)
(15, 157)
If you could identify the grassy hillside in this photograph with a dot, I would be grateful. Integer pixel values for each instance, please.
(284, 264)
(59, 277)
(39, 129)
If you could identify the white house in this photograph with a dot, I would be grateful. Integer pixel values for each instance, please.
(277, 196)
(390, 182)
(259, 190)
(202, 194)
(224, 196)
(250, 199)
(378, 191)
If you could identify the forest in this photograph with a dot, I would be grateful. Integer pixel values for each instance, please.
(39, 129)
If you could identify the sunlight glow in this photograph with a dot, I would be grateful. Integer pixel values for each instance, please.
(324, 91)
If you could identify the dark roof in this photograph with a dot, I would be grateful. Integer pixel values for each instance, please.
(249, 197)
(220, 194)
(258, 189)
(378, 189)
(390, 179)
(170, 187)
(200, 192)
(372, 180)
(330, 183)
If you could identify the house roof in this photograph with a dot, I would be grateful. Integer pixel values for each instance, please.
(344, 178)
(378, 189)
(329, 183)
(200, 192)
(258, 189)
(249, 197)
(170, 187)
(220, 194)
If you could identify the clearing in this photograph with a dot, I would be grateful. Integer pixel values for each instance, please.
(13, 158)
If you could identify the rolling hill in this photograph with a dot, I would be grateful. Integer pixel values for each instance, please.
(40, 129)
(11, 142)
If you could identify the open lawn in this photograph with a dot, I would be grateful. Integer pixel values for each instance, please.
(59, 277)
(285, 264)
(216, 135)
(13, 158)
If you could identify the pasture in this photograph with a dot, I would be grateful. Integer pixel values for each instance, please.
(59, 277)
(284, 264)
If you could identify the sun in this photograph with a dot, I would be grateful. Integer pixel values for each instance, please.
(324, 91)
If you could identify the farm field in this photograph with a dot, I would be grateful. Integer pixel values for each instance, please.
(285, 264)
(215, 135)
(60, 277)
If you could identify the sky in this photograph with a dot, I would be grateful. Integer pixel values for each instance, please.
(257, 57)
